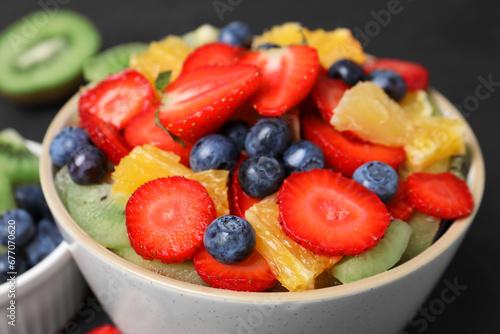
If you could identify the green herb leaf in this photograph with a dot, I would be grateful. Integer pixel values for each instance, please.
(162, 80)
(158, 123)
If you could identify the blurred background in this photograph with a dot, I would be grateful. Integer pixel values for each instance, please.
(458, 41)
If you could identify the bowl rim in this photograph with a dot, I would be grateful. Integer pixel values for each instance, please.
(45, 268)
(476, 182)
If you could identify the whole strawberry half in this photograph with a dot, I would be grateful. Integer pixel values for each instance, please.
(289, 73)
(166, 218)
(105, 329)
(212, 54)
(343, 153)
(440, 195)
(142, 130)
(201, 100)
(253, 274)
(331, 214)
(118, 98)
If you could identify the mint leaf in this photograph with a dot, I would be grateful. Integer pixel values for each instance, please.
(158, 123)
(162, 80)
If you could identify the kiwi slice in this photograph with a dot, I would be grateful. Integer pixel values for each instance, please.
(42, 55)
(181, 271)
(17, 162)
(425, 229)
(7, 201)
(460, 164)
(101, 215)
(110, 61)
(380, 258)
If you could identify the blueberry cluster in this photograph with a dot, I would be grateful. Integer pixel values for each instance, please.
(351, 73)
(87, 164)
(31, 230)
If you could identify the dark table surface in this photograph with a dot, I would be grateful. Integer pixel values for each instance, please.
(458, 41)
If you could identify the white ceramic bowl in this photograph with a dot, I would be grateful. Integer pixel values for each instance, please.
(47, 295)
(139, 301)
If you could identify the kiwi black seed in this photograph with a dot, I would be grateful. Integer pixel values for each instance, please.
(42, 56)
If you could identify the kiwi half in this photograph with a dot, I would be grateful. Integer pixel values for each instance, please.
(110, 61)
(42, 56)
(17, 163)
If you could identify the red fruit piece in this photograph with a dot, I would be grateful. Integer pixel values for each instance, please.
(327, 93)
(166, 218)
(331, 214)
(105, 329)
(400, 206)
(253, 274)
(200, 101)
(289, 73)
(105, 136)
(118, 98)
(239, 201)
(343, 153)
(212, 54)
(415, 75)
(142, 130)
(440, 195)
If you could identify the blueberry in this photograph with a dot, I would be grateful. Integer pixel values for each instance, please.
(267, 46)
(88, 165)
(16, 225)
(65, 143)
(49, 227)
(229, 239)
(347, 70)
(303, 156)
(213, 152)
(391, 82)
(379, 178)
(237, 131)
(269, 136)
(30, 197)
(39, 247)
(18, 264)
(260, 176)
(236, 33)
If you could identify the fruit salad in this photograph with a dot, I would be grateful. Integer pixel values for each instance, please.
(286, 161)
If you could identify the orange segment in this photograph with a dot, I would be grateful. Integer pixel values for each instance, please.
(293, 265)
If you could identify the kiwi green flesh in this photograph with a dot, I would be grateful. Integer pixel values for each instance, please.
(44, 51)
(424, 232)
(181, 271)
(95, 210)
(378, 259)
(17, 163)
(110, 61)
(7, 198)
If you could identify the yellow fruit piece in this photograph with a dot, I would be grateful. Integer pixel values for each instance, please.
(146, 163)
(166, 55)
(293, 265)
(416, 103)
(215, 181)
(331, 45)
(368, 111)
(434, 139)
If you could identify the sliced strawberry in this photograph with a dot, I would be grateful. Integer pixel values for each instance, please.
(440, 195)
(142, 130)
(200, 101)
(212, 54)
(289, 73)
(105, 136)
(400, 206)
(327, 93)
(239, 201)
(253, 274)
(105, 329)
(166, 218)
(331, 214)
(414, 74)
(343, 153)
(118, 98)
